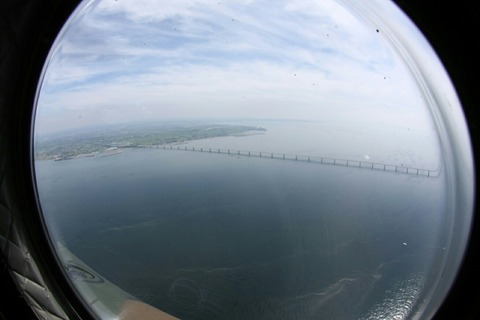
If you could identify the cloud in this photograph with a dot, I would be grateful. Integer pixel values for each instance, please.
(123, 60)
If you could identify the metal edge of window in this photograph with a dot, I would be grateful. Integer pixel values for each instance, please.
(451, 30)
(14, 230)
(447, 113)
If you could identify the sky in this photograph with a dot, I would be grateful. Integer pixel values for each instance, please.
(119, 61)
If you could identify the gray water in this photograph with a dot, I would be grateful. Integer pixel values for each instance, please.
(213, 236)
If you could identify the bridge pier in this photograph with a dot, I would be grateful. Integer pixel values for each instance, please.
(338, 162)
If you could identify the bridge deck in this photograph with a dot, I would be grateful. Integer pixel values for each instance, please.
(304, 158)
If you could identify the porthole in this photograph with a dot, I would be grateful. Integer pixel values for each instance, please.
(252, 160)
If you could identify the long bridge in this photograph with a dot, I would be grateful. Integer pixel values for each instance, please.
(303, 158)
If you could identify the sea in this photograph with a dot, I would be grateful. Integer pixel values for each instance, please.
(208, 235)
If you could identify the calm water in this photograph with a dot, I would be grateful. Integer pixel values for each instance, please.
(212, 236)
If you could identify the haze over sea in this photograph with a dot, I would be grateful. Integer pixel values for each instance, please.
(215, 236)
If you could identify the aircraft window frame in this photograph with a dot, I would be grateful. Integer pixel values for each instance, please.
(28, 31)
(34, 231)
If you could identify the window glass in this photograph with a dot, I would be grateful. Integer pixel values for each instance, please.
(252, 160)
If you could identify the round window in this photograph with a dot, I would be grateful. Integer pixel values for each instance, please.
(252, 160)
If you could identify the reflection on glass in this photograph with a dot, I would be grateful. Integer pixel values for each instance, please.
(251, 160)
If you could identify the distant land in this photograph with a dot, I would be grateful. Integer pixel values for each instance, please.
(112, 140)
